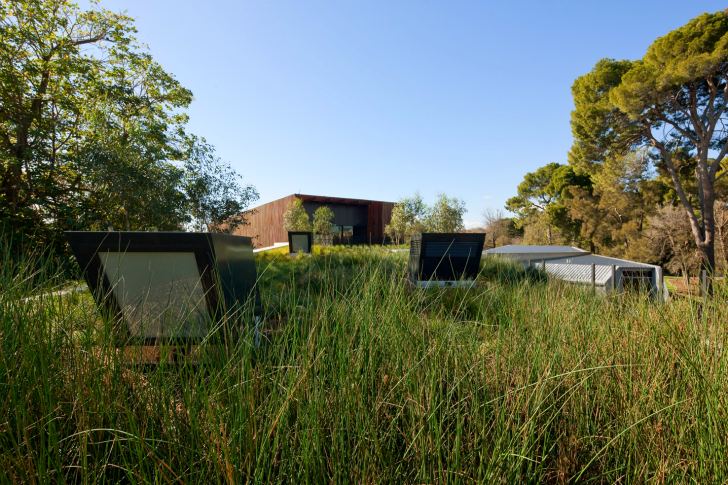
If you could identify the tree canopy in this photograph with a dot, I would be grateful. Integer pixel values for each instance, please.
(93, 130)
(323, 223)
(407, 218)
(649, 134)
(412, 215)
(296, 218)
(542, 201)
(671, 103)
(446, 215)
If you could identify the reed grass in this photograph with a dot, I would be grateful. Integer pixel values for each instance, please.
(360, 379)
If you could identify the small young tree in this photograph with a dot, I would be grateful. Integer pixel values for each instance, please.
(407, 218)
(501, 230)
(323, 221)
(296, 218)
(446, 215)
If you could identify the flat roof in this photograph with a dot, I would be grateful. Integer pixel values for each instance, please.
(340, 200)
(589, 259)
(323, 199)
(534, 249)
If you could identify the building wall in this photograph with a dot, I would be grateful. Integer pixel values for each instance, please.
(265, 223)
(379, 214)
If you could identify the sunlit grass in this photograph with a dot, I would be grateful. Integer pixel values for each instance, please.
(361, 379)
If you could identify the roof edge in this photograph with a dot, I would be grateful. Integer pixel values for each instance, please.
(312, 197)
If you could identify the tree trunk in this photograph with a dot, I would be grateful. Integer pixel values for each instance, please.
(703, 229)
(707, 245)
(707, 252)
(10, 185)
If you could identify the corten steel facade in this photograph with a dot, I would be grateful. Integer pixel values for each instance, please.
(357, 221)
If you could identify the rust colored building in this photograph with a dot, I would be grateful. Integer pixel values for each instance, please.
(356, 221)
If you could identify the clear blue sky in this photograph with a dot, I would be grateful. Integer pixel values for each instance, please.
(380, 99)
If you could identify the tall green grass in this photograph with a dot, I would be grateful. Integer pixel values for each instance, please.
(361, 379)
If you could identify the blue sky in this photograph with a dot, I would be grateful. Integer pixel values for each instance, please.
(380, 99)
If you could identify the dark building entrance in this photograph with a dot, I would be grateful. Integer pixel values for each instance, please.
(350, 221)
(349, 234)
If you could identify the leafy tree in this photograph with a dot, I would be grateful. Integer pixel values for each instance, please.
(534, 193)
(323, 222)
(215, 193)
(672, 102)
(595, 123)
(541, 200)
(296, 218)
(446, 215)
(76, 88)
(92, 130)
(612, 213)
(407, 218)
(125, 193)
(721, 229)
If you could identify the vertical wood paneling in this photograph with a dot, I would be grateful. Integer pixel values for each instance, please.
(265, 223)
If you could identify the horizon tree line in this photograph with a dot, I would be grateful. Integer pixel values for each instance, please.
(645, 173)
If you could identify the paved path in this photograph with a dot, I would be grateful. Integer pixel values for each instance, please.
(64, 291)
(268, 248)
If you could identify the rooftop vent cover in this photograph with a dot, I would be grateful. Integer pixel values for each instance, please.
(444, 259)
(300, 242)
(167, 287)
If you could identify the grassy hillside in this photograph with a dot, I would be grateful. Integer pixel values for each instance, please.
(362, 380)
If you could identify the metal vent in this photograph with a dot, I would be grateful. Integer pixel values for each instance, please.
(445, 256)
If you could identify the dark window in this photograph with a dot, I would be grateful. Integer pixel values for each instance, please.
(349, 234)
(360, 235)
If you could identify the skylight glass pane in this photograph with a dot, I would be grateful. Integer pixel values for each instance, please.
(160, 293)
(300, 242)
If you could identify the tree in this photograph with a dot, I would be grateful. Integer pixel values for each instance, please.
(76, 88)
(215, 193)
(672, 102)
(541, 200)
(125, 193)
(92, 130)
(671, 243)
(721, 229)
(296, 218)
(323, 222)
(407, 218)
(612, 212)
(499, 229)
(534, 194)
(446, 215)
